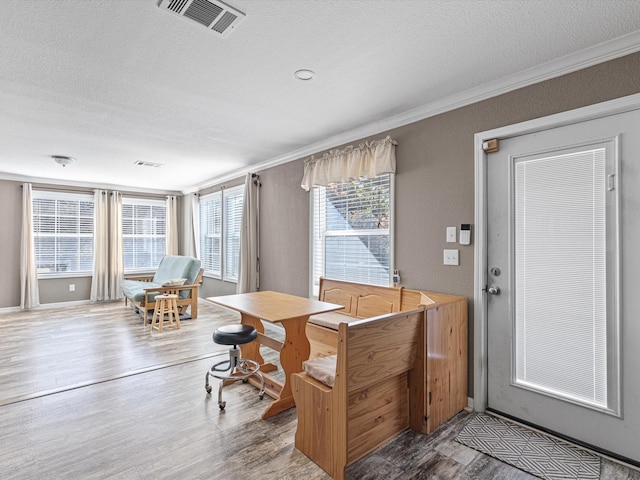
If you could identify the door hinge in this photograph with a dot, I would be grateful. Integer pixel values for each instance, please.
(611, 182)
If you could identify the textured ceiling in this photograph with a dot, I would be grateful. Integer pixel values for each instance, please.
(116, 81)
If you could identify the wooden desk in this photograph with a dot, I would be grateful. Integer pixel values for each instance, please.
(292, 313)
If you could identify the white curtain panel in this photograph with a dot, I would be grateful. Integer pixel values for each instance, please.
(248, 271)
(172, 226)
(100, 278)
(188, 241)
(195, 222)
(116, 255)
(29, 293)
(367, 160)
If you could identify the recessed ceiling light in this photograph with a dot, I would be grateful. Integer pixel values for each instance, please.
(304, 74)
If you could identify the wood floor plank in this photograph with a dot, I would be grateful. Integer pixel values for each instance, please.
(159, 423)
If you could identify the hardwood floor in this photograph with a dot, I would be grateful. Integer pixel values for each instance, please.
(148, 416)
(48, 350)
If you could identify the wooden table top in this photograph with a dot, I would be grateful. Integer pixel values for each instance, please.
(273, 306)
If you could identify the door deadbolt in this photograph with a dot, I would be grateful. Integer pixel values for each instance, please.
(495, 271)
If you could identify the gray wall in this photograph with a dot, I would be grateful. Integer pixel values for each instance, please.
(51, 290)
(11, 200)
(434, 184)
(434, 189)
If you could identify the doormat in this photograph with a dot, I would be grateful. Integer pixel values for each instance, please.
(528, 450)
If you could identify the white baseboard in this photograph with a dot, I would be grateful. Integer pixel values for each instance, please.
(46, 306)
(470, 404)
(67, 304)
(9, 309)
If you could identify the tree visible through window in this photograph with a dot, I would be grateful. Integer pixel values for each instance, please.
(351, 231)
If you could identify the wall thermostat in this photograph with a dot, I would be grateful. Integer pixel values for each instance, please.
(465, 234)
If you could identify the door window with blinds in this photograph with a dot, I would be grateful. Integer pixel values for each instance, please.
(220, 226)
(143, 233)
(351, 224)
(63, 232)
(565, 242)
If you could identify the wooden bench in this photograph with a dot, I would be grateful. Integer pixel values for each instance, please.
(377, 393)
(443, 349)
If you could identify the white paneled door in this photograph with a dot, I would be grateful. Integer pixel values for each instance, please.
(563, 281)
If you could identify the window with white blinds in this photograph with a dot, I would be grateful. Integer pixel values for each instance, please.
(232, 199)
(565, 244)
(351, 224)
(211, 234)
(63, 232)
(220, 225)
(143, 233)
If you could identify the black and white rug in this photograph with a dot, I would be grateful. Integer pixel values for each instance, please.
(528, 450)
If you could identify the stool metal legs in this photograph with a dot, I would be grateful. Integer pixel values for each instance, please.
(232, 370)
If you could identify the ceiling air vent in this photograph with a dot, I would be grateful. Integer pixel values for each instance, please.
(140, 163)
(212, 14)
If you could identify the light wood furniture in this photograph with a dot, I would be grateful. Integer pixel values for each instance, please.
(147, 304)
(80, 430)
(376, 394)
(292, 313)
(443, 353)
(165, 305)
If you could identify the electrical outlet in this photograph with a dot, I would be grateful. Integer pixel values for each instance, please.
(72, 287)
(451, 257)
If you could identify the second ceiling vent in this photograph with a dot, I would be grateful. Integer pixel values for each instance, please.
(212, 14)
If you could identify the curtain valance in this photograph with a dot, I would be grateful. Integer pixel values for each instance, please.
(367, 160)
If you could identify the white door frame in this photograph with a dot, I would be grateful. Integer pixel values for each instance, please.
(480, 353)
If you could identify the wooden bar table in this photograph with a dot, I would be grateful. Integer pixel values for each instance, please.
(292, 313)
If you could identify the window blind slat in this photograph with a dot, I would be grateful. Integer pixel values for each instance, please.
(561, 290)
(220, 226)
(210, 233)
(351, 224)
(63, 232)
(143, 233)
(233, 200)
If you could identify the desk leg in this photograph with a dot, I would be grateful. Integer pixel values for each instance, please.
(295, 350)
(251, 350)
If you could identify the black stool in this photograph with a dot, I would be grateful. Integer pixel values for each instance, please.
(236, 368)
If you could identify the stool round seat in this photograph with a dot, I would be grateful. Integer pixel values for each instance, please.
(236, 367)
(237, 334)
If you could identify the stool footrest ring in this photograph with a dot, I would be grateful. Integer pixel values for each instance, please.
(244, 369)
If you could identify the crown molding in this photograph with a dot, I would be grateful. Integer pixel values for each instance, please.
(89, 186)
(610, 50)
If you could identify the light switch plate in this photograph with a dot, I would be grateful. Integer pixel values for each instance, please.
(451, 257)
(451, 234)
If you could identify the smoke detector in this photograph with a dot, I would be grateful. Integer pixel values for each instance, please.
(212, 14)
